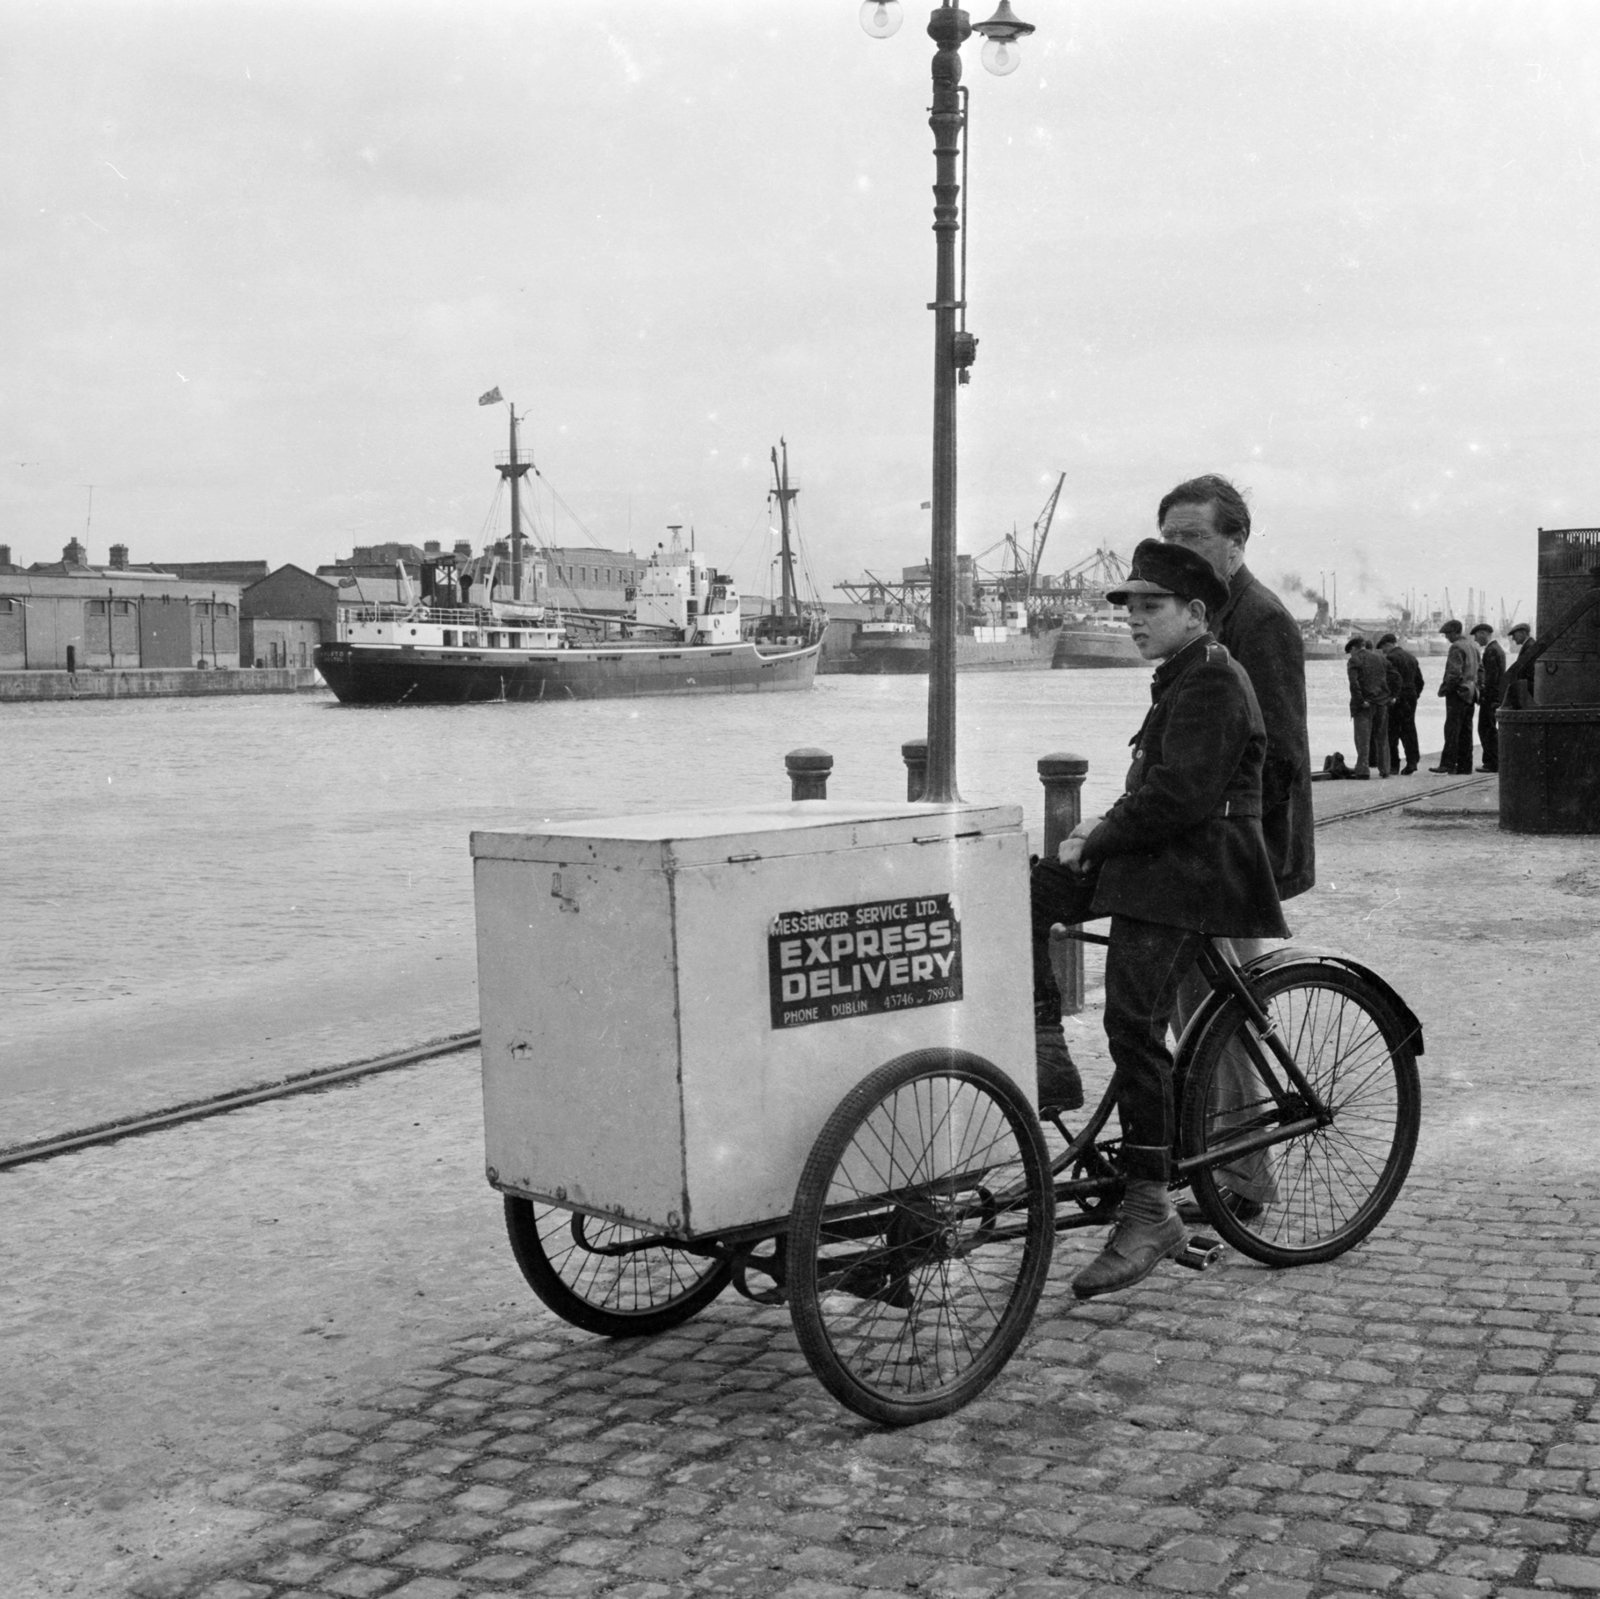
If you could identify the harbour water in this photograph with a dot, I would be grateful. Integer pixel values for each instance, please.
(196, 895)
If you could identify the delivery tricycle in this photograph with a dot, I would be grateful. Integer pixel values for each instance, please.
(779, 1047)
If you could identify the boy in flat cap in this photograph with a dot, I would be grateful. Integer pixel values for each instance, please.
(1179, 858)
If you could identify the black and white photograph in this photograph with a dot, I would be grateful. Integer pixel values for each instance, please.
(800, 798)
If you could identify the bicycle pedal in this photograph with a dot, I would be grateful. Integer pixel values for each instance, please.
(1201, 1251)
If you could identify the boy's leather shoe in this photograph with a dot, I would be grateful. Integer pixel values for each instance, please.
(1133, 1251)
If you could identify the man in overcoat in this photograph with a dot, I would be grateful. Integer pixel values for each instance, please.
(1458, 688)
(1403, 705)
(1491, 686)
(1179, 858)
(1209, 515)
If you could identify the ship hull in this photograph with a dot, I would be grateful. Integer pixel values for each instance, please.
(1077, 650)
(376, 675)
(909, 653)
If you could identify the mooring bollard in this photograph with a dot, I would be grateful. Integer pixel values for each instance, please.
(914, 752)
(808, 773)
(1062, 776)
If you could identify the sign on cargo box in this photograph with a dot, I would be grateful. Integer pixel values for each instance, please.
(856, 960)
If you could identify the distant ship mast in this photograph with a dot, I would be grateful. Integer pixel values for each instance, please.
(783, 494)
(513, 471)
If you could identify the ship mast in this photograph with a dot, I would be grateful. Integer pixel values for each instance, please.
(784, 494)
(514, 471)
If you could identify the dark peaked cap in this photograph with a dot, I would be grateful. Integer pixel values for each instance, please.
(1162, 568)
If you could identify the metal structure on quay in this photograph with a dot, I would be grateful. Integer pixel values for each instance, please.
(1550, 723)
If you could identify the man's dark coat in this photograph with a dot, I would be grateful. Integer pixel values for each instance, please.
(1405, 663)
(1369, 679)
(1519, 680)
(1183, 846)
(1265, 640)
(1491, 673)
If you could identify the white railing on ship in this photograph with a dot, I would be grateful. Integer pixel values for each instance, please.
(466, 616)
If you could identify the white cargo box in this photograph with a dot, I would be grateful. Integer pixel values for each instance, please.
(673, 1005)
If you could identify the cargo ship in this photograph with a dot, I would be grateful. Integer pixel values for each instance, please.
(1081, 645)
(681, 633)
(1013, 642)
(1001, 623)
(1093, 634)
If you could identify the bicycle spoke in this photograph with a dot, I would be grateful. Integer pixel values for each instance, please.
(1329, 1186)
(914, 1309)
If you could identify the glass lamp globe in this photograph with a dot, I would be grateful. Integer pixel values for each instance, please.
(880, 18)
(1001, 56)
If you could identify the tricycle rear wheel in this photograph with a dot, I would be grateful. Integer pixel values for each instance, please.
(920, 1237)
(607, 1277)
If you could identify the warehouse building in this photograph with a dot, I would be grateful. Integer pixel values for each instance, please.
(70, 616)
(285, 616)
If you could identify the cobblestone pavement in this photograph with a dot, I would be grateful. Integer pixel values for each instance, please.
(286, 1355)
(1418, 1418)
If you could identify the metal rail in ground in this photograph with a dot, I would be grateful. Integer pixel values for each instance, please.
(1394, 804)
(198, 1109)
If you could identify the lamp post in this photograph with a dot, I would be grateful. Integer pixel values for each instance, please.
(953, 347)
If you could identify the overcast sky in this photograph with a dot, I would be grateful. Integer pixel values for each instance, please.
(261, 259)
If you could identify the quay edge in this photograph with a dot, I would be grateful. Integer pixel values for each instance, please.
(156, 683)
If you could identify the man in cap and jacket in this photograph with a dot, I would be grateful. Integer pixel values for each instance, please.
(1491, 685)
(1369, 705)
(1459, 691)
(1179, 858)
(1406, 691)
(1518, 695)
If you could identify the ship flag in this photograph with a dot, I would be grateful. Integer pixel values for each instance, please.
(493, 397)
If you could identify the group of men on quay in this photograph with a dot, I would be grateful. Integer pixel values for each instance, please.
(1386, 684)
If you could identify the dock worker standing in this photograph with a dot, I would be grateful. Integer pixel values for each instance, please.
(1459, 691)
(1369, 704)
(1179, 858)
(1518, 694)
(1491, 685)
(1403, 705)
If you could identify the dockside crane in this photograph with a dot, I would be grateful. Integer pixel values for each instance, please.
(1019, 578)
(1041, 532)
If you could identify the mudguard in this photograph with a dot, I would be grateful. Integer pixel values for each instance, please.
(1293, 955)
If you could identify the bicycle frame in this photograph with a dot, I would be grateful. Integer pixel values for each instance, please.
(1299, 1109)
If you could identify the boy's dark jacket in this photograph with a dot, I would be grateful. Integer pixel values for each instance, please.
(1183, 846)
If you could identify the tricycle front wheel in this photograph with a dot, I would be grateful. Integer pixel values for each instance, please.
(607, 1277)
(920, 1237)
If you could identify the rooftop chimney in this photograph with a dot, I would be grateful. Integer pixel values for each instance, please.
(5, 555)
(73, 554)
(463, 550)
(119, 557)
(431, 547)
